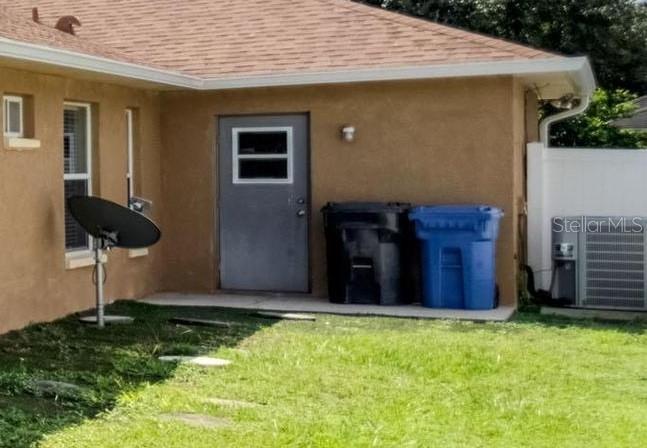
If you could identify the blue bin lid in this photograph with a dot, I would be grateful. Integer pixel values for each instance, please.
(456, 210)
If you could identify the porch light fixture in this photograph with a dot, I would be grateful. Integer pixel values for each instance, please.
(348, 133)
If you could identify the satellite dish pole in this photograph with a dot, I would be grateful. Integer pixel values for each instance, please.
(98, 263)
(111, 225)
(103, 242)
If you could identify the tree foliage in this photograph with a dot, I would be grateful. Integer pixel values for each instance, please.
(612, 33)
(595, 125)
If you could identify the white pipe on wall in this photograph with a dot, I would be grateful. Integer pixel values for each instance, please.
(544, 125)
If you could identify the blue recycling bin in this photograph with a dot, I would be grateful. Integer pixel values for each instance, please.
(458, 245)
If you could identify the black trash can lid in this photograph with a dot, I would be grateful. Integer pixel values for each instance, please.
(366, 207)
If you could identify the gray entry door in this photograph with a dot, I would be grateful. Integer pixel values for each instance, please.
(264, 197)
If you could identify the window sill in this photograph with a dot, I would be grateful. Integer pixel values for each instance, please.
(136, 253)
(81, 260)
(21, 144)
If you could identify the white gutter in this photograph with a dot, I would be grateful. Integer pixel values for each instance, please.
(545, 124)
(70, 59)
(584, 85)
(578, 69)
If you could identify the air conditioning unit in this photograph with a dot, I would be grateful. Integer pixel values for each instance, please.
(600, 262)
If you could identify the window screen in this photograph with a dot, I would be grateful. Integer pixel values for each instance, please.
(262, 155)
(13, 116)
(76, 168)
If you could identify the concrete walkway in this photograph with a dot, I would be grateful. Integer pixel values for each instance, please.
(308, 304)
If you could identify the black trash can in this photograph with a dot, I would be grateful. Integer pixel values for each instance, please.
(368, 247)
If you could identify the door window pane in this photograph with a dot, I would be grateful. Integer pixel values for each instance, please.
(262, 155)
(263, 169)
(250, 143)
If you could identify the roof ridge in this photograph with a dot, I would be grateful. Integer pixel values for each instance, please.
(422, 24)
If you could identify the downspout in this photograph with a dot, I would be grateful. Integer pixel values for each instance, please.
(544, 126)
(544, 138)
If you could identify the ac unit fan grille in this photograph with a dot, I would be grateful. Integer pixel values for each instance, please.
(615, 270)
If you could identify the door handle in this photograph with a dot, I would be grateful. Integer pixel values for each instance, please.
(301, 213)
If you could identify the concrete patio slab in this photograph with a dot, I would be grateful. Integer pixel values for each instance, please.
(309, 304)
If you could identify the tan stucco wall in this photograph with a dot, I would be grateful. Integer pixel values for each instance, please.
(34, 284)
(444, 141)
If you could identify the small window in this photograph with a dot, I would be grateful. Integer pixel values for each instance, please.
(13, 116)
(77, 168)
(262, 155)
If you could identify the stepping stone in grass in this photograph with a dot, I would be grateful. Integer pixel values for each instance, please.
(46, 388)
(285, 316)
(108, 320)
(231, 403)
(200, 322)
(197, 420)
(203, 361)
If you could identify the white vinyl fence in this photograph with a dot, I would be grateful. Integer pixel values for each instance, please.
(574, 182)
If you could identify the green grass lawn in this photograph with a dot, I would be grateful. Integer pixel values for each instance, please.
(336, 382)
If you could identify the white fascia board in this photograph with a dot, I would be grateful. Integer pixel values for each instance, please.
(584, 77)
(578, 68)
(69, 59)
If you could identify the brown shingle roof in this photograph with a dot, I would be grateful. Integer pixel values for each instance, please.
(228, 38)
(15, 27)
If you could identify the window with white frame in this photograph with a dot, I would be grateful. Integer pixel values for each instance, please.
(77, 168)
(130, 153)
(13, 116)
(262, 155)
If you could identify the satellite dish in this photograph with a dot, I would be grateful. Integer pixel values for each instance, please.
(111, 225)
(117, 225)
